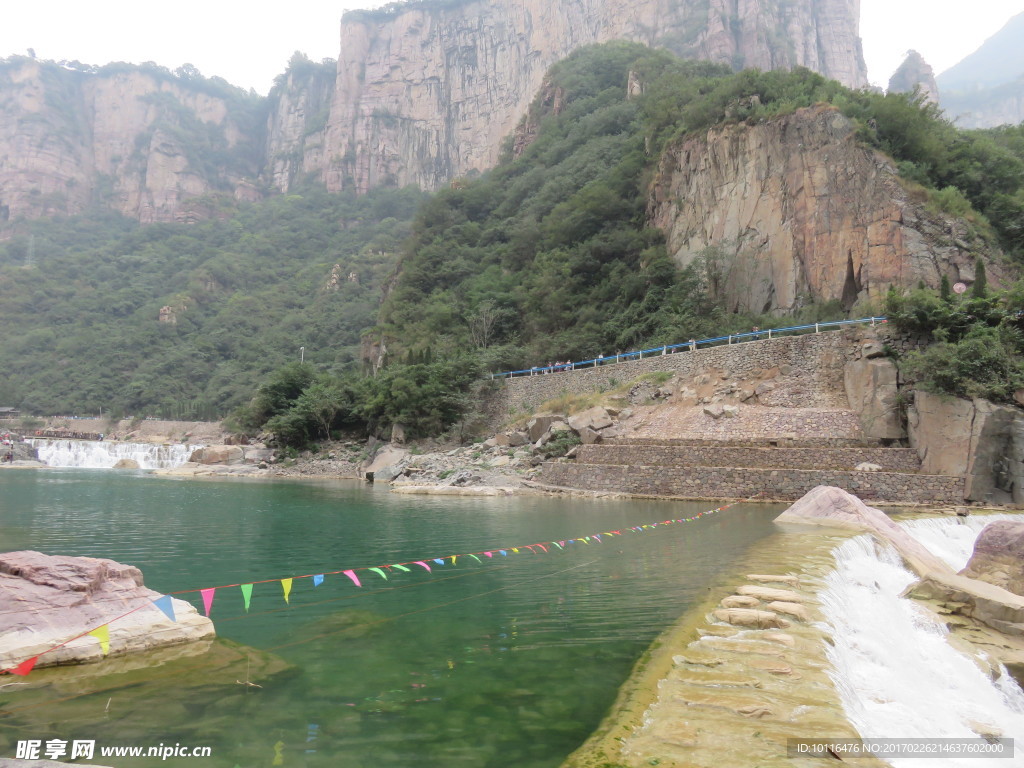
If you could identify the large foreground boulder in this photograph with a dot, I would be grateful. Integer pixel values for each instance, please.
(387, 464)
(47, 600)
(218, 454)
(999, 556)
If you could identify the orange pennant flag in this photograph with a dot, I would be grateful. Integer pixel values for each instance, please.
(103, 635)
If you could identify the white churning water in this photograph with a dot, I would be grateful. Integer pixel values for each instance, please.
(92, 454)
(896, 674)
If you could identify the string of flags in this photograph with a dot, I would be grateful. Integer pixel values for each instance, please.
(165, 602)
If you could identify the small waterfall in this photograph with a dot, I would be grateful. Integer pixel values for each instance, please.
(91, 454)
(895, 672)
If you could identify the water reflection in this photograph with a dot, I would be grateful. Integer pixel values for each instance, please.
(510, 661)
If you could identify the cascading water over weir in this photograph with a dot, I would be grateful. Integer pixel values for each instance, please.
(92, 454)
(896, 672)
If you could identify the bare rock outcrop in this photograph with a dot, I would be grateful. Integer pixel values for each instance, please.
(982, 441)
(794, 209)
(999, 556)
(917, 73)
(47, 600)
(218, 454)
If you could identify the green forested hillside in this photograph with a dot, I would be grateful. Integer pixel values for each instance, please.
(548, 255)
(81, 298)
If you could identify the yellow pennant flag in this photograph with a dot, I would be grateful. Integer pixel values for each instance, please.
(286, 585)
(103, 635)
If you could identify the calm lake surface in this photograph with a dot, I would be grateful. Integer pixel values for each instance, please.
(509, 662)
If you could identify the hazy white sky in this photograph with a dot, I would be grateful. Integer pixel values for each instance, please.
(249, 43)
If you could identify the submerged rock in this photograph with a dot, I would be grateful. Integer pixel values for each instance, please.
(49, 599)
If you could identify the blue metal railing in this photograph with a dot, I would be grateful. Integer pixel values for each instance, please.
(687, 345)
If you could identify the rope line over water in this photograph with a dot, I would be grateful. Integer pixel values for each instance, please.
(165, 605)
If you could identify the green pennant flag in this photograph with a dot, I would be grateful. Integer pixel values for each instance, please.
(246, 594)
(378, 570)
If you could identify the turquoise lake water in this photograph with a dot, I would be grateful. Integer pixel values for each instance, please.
(509, 662)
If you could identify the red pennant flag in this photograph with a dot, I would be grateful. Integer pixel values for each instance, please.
(25, 667)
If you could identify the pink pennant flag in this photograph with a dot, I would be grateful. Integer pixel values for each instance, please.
(25, 667)
(208, 598)
(286, 585)
(420, 562)
(489, 554)
(352, 575)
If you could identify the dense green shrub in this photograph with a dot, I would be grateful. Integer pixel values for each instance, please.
(978, 343)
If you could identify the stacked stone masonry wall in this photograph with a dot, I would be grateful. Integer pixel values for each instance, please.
(819, 358)
(770, 442)
(889, 459)
(754, 423)
(742, 483)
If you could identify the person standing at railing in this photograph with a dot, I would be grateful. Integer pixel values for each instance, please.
(693, 345)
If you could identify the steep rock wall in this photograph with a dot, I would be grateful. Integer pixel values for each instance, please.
(795, 211)
(427, 94)
(141, 144)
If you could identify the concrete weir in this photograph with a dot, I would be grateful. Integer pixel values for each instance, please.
(738, 676)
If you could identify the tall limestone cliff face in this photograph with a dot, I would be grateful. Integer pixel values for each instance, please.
(299, 106)
(794, 211)
(427, 94)
(142, 144)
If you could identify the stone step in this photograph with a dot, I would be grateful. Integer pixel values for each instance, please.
(710, 455)
(744, 482)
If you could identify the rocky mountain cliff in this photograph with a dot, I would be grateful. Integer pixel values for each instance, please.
(140, 141)
(426, 93)
(422, 93)
(794, 211)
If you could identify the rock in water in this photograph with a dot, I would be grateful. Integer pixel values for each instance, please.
(48, 599)
(999, 556)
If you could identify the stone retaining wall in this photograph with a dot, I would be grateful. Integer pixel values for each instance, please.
(819, 357)
(752, 422)
(741, 483)
(772, 442)
(891, 459)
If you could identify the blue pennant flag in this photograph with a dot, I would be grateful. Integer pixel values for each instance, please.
(164, 604)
